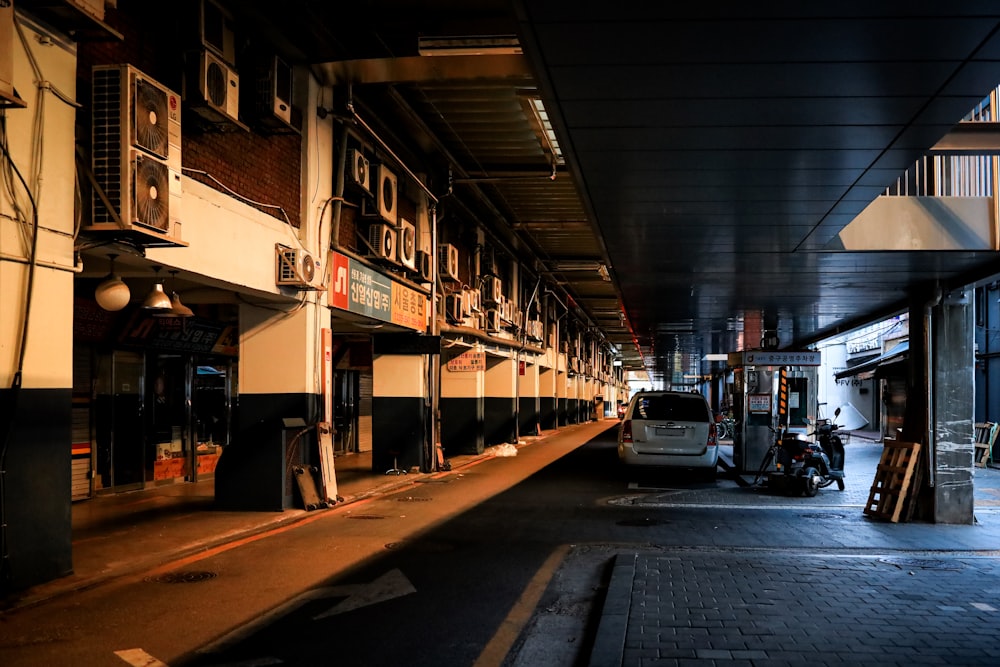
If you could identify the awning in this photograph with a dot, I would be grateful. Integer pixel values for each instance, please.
(898, 353)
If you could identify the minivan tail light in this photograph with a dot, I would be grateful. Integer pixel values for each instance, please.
(627, 431)
(712, 432)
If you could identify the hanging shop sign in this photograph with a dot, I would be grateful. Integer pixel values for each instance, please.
(188, 334)
(468, 361)
(775, 358)
(362, 290)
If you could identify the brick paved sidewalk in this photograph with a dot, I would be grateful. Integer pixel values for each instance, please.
(759, 607)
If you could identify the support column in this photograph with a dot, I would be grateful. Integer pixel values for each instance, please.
(500, 408)
(953, 406)
(399, 384)
(548, 410)
(572, 399)
(462, 411)
(279, 405)
(35, 424)
(527, 399)
(940, 403)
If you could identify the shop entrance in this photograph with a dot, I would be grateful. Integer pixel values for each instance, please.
(118, 410)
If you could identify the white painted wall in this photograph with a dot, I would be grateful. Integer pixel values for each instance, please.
(41, 140)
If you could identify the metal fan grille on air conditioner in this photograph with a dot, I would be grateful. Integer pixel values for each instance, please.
(149, 118)
(386, 197)
(448, 262)
(408, 245)
(359, 169)
(150, 192)
(382, 239)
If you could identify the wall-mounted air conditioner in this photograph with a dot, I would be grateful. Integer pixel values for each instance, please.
(359, 170)
(273, 107)
(466, 303)
(136, 155)
(475, 301)
(218, 93)
(382, 238)
(493, 320)
(407, 251)
(448, 262)
(425, 267)
(294, 267)
(492, 290)
(453, 307)
(386, 194)
(215, 27)
(533, 330)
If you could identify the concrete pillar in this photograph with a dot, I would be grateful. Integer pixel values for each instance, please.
(399, 408)
(37, 417)
(462, 411)
(940, 402)
(562, 393)
(527, 398)
(500, 407)
(572, 399)
(953, 406)
(548, 409)
(279, 405)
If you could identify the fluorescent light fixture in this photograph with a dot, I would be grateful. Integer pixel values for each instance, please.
(469, 45)
(715, 357)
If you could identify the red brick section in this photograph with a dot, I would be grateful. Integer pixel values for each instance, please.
(260, 168)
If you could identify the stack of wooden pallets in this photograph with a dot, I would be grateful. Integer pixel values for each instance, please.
(986, 435)
(896, 481)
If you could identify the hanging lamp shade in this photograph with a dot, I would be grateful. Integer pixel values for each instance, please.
(157, 299)
(112, 293)
(177, 309)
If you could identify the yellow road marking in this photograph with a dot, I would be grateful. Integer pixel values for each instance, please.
(510, 629)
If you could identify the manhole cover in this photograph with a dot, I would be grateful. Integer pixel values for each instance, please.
(411, 499)
(366, 517)
(921, 563)
(188, 577)
(639, 523)
(823, 515)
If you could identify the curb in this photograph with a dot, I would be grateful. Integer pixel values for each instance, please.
(609, 645)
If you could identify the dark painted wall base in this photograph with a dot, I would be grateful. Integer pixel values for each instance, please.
(397, 433)
(573, 410)
(499, 420)
(37, 501)
(527, 415)
(547, 415)
(462, 426)
(255, 473)
(561, 411)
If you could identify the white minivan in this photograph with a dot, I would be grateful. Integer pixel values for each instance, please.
(669, 428)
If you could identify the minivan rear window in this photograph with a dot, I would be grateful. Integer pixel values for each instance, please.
(681, 408)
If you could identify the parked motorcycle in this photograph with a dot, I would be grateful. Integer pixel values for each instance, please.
(803, 467)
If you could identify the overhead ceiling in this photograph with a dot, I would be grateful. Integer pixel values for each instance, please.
(707, 152)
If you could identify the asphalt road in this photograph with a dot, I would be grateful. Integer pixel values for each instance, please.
(502, 563)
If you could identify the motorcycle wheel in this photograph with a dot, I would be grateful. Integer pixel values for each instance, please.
(810, 487)
(840, 485)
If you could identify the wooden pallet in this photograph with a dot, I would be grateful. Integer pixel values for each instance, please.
(893, 480)
(986, 435)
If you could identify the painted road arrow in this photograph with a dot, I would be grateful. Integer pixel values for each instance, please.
(392, 584)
